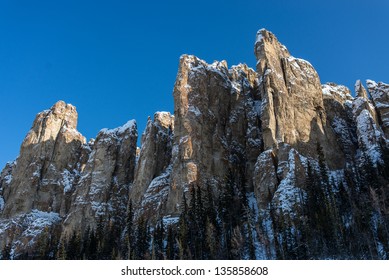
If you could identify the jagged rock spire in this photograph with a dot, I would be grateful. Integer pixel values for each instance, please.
(360, 90)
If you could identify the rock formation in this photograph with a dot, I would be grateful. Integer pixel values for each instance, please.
(298, 158)
(380, 100)
(217, 125)
(102, 190)
(152, 174)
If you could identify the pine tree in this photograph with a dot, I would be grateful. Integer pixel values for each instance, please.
(192, 223)
(250, 241)
(6, 252)
(93, 246)
(61, 252)
(212, 241)
(130, 239)
(226, 211)
(210, 210)
(316, 214)
(200, 225)
(108, 245)
(237, 244)
(100, 236)
(170, 244)
(85, 244)
(43, 245)
(142, 239)
(384, 167)
(158, 238)
(73, 247)
(322, 165)
(183, 231)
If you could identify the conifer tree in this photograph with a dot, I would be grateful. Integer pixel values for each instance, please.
(92, 246)
(6, 252)
(61, 252)
(73, 247)
(183, 230)
(158, 238)
(142, 239)
(212, 241)
(130, 239)
(171, 244)
(250, 242)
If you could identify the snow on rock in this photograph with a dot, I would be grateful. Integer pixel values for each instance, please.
(8, 179)
(156, 194)
(288, 194)
(369, 136)
(337, 92)
(194, 110)
(154, 157)
(380, 98)
(360, 90)
(100, 184)
(129, 126)
(67, 180)
(37, 221)
(346, 135)
(260, 36)
(1, 203)
(170, 220)
(24, 230)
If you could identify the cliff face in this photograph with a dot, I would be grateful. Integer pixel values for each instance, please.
(217, 125)
(102, 188)
(151, 185)
(60, 183)
(49, 153)
(298, 153)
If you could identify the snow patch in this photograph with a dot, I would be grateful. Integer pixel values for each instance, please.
(67, 180)
(169, 220)
(259, 37)
(334, 90)
(130, 125)
(369, 136)
(194, 110)
(287, 193)
(158, 190)
(101, 208)
(39, 219)
(8, 179)
(1, 203)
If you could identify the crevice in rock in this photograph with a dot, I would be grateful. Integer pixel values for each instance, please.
(283, 68)
(275, 164)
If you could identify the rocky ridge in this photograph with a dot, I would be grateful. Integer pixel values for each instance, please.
(271, 130)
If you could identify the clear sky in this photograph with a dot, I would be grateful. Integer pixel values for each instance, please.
(117, 60)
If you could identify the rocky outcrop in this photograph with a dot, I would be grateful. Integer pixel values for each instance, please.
(149, 191)
(102, 191)
(338, 101)
(380, 97)
(292, 101)
(5, 181)
(36, 184)
(360, 90)
(217, 125)
(49, 156)
(282, 149)
(60, 183)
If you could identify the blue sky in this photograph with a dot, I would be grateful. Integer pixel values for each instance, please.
(117, 60)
